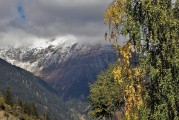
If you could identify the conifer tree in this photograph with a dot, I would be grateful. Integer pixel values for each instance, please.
(46, 114)
(8, 97)
(26, 108)
(33, 110)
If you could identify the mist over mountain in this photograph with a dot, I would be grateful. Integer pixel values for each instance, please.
(25, 21)
(68, 67)
(42, 69)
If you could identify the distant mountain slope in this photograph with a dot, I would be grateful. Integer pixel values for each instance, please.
(27, 87)
(68, 66)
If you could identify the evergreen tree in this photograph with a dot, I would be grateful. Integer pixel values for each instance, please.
(55, 118)
(8, 97)
(46, 115)
(20, 103)
(33, 110)
(26, 108)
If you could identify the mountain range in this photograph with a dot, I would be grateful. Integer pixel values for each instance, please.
(67, 66)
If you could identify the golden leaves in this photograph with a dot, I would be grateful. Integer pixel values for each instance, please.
(122, 70)
(133, 100)
(129, 78)
(126, 52)
(113, 15)
(137, 72)
(114, 12)
(125, 74)
(117, 75)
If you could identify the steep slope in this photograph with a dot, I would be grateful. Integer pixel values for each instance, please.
(67, 66)
(27, 87)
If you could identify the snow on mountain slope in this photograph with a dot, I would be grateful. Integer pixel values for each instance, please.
(68, 67)
(30, 57)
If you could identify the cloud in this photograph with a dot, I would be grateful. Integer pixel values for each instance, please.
(50, 18)
(15, 38)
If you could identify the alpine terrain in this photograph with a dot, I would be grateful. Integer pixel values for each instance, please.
(68, 66)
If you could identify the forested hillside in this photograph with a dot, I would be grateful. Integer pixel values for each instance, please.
(26, 87)
(14, 109)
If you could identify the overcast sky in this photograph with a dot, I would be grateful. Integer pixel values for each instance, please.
(25, 21)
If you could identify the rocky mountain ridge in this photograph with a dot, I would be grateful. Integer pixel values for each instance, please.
(68, 67)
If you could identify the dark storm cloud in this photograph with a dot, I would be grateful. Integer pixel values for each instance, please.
(50, 18)
(79, 19)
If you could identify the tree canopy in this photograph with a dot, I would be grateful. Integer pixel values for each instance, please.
(105, 95)
(150, 29)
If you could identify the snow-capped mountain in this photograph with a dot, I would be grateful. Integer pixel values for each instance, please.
(67, 65)
(41, 51)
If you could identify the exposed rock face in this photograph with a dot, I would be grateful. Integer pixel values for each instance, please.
(68, 68)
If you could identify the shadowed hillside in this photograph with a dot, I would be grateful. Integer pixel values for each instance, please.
(25, 86)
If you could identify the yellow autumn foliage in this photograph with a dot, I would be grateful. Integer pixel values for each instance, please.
(131, 77)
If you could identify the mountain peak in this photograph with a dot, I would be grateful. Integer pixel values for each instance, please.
(54, 42)
(67, 65)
